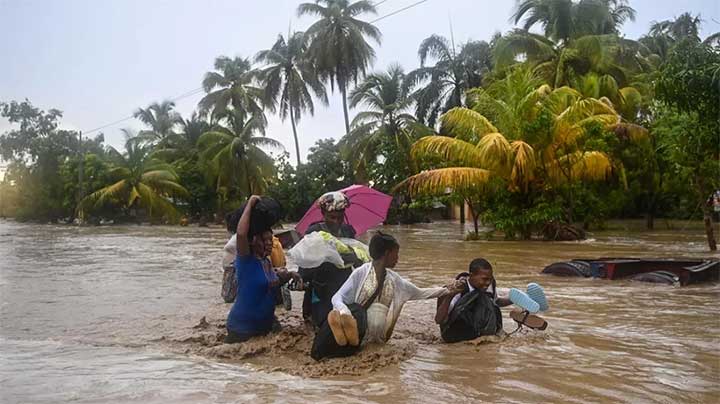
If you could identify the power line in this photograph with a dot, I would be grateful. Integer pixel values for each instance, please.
(398, 11)
(195, 91)
(127, 118)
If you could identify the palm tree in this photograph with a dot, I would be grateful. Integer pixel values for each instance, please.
(234, 155)
(183, 145)
(682, 27)
(233, 86)
(664, 35)
(161, 118)
(580, 37)
(140, 180)
(563, 20)
(559, 64)
(338, 47)
(289, 79)
(524, 157)
(442, 86)
(385, 120)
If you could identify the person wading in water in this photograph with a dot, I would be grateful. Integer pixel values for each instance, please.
(326, 279)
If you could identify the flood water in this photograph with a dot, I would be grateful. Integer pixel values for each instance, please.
(81, 310)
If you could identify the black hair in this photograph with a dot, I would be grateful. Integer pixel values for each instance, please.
(478, 264)
(232, 219)
(381, 243)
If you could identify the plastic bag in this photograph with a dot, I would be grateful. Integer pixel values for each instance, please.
(361, 249)
(313, 250)
(320, 247)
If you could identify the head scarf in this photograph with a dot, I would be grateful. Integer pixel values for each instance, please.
(333, 201)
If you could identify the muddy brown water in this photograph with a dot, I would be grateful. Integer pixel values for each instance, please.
(106, 314)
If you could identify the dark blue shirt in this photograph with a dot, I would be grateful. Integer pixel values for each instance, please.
(254, 309)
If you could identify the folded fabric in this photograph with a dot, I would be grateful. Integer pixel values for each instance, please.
(522, 300)
(537, 293)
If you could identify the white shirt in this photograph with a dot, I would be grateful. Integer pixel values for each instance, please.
(457, 297)
(229, 252)
(403, 291)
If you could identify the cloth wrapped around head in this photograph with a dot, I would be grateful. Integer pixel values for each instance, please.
(333, 201)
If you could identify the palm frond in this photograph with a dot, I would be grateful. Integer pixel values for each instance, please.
(465, 123)
(634, 133)
(523, 168)
(495, 152)
(445, 180)
(451, 149)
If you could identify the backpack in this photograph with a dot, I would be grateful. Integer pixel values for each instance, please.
(474, 315)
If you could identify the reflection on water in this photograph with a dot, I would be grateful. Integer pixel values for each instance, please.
(80, 306)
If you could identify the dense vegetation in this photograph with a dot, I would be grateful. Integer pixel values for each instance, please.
(560, 121)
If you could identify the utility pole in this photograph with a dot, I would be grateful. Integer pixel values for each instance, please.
(81, 174)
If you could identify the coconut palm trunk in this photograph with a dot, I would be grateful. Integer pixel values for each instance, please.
(343, 90)
(297, 143)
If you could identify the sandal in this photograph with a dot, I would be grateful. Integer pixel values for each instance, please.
(523, 317)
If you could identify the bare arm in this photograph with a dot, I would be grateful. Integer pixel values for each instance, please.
(243, 244)
(443, 308)
(444, 302)
(503, 302)
(347, 292)
(285, 276)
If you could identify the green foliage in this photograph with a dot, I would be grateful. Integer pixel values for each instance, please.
(690, 81)
(518, 215)
(137, 180)
(441, 87)
(289, 78)
(96, 174)
(338, 47)
(297, 188)
(36, 149)
(535, 127)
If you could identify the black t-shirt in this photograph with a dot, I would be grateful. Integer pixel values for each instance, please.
(346, 230)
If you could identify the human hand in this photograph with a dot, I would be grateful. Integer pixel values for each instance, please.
(253, 200)
(297, 280)
(457, 286)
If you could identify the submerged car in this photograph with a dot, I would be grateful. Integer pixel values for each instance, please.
(668, 271)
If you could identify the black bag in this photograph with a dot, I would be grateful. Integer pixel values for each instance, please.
(324, 344)
(266, 213)
(474, 315)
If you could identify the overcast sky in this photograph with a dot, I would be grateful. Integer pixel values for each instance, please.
(98, 60)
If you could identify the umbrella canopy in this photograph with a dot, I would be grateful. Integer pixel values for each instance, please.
(368, 208)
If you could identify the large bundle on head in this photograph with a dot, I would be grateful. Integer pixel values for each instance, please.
(266, 213)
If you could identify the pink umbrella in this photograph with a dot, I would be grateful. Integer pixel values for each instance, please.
(368, 208)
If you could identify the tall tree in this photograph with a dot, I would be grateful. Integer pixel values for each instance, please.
(161, 118)
(289, 78)
(183, 145)
(338, 45)
(235, 155)
(442, 86)
(385, 122)
(562, 20)
(138, 180)
(686, 26)
(689, 82)
(36, 148)
(559, 63)
(233, 85)
(540, 141)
